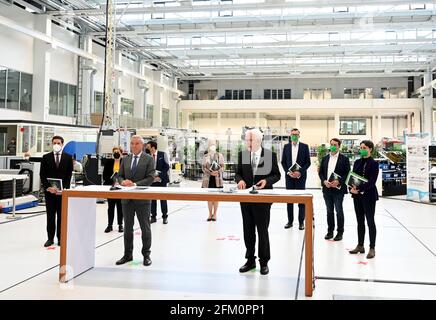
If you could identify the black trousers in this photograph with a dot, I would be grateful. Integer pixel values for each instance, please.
(294, 184)
(365, 209)
(163, 205)
(142, 211)
(53, 206)
(334, 199)
(111, 211)
(256, 216)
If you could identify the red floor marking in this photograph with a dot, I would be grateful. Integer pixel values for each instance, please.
(363, 262)
(51, 248)
(221, 238)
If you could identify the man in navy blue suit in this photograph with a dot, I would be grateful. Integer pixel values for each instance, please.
(161, 164)
(296, 154)
(333, 172)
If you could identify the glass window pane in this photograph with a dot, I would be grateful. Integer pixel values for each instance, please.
(126, 107)
(165, 117)
(267, 94)
(228, 94)
(241, 94)
(71, 110)
(247, 94)
(63, 99)
(53, 100)
(3, 72)
(274, 94)
(280, 94)
(235, 94)
(13, 89)
(287, 94)
(26, 92)
(98, 105)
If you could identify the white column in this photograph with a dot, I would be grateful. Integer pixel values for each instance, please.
(218, 122)
(157, 100)
(409, 123)
(337, 128)
(297, 120)
(427, 116)
(41, 71)
(379, 128)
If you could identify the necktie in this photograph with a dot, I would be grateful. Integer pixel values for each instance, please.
(57, 159)
(254, 162)
(154, 158)
(135, 163)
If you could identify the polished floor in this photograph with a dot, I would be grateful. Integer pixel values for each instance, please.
(195, 259)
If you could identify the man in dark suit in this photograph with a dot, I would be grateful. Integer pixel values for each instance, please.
(296, 152)
(56, 165)
(161, 164)
(256, 167)
(333, 172)
(137, 169)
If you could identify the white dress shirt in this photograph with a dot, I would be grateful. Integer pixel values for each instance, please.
(294, 148)
(333, 160)
(133, 159)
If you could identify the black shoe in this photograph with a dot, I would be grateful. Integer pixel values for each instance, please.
(264, 270)
(288, 225)
(120, 229)
(152, 219)
(328, 236)
(48, 243)
(147, 261)
(124, 260)
(108, 229)
(209, 219)
(165, 220)
(338, 237)
(249, 265)
(301, 227)
(59, 243)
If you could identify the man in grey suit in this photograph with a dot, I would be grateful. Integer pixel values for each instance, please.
(137, 169)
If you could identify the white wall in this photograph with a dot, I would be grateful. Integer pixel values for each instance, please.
(64, 64)
(297, 86)
(16, 49)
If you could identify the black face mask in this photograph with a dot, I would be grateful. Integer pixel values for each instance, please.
(147, 151)
(117, 155)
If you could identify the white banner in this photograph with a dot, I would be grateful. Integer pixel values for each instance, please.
(418, 166)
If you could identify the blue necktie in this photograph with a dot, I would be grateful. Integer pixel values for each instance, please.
(135, 163)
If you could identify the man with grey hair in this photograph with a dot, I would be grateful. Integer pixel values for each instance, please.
(137, 169)
(258, 168)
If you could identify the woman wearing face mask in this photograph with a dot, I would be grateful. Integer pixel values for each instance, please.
(365, 197)
(213, 167)
(111, 167)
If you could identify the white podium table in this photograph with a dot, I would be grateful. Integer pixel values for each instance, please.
(79, 219)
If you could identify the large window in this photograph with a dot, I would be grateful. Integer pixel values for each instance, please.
(15, 90)
(149, 113)
(278, 94)
(352, 127)
(62, 100)
(358, 93)
(126, 107)
(165, 117)
(317, 94)
(239, 94)
(394, 93)
(98, 102)
(206, 94)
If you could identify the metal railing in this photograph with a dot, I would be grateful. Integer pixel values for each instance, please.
(122, 121)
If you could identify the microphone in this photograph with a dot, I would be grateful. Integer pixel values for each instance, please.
(114, 181)
(253, 190)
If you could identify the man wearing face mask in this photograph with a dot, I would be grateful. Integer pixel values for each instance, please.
(333, 172)
(296, 154)
(110, 172)
(58, 165)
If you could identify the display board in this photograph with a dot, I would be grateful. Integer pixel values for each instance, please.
(418, 166)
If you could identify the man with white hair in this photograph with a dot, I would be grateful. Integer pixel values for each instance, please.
(256, 167)
(137, 169)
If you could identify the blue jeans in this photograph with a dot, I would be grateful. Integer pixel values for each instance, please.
(333, 199)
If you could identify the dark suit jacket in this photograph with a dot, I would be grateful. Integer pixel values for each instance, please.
(303, 159)
(163, 166)
(368, 190)
(267, 169)
(342, 168)
(49, 170)
(143, 176)
(108, 171)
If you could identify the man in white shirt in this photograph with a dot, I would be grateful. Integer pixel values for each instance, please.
(333, 172)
